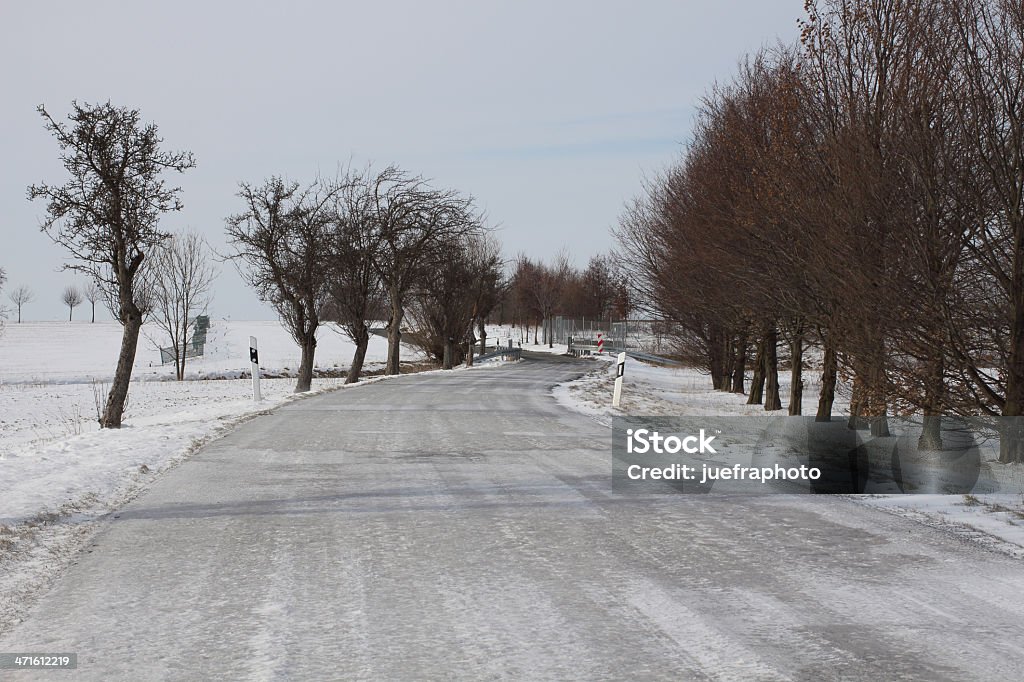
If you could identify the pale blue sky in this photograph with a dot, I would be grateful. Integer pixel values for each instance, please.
(548, 112)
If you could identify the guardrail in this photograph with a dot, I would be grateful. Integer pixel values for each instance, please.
(578, 349)
(657, 359)
(508, 353)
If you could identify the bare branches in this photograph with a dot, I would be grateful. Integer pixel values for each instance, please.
(282, 244)
(107, 213)
(414, 223)
(72, 298)
(866, 190)
(92, 293)
(181, 283)
(20, 296)
(465, 279)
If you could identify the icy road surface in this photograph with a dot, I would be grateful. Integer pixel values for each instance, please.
(462, 526)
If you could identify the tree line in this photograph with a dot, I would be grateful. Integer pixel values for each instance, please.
(537, 291)
(860, 193)
(366, 245)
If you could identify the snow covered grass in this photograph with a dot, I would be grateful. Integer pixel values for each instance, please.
(69, 352)
(995, 519)
(53, 374)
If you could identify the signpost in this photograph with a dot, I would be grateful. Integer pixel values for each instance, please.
(620, 369)
(254, 359)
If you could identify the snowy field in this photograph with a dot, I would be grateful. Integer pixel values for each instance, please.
(70, 352)
(994, 519)
(55, 375)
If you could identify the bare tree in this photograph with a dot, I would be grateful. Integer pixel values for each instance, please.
(489, 284)
(543, 286)
(524, 275)
(181, 282)
(283, 239)
(988, 116)
(411, 218)
(20, 296)
(442, 308)
(107, 215)
(462, 271)
(355, 287)
(92, 293)
(72, 298)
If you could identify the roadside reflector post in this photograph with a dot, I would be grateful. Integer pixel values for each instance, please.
(254, 360)
(600, 343)
(620, 369)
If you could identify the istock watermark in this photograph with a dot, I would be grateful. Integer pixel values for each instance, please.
(798, 455)
(641, 441)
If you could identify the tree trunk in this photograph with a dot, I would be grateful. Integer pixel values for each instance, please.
(1011, 446)
(858, 400)
(772, 400)
(113, 411)
(483, 336)
(868, 409)
(728, 361)
(934, 395)
(828, 384)
(470, 347)
(305, 379)
(394, 335)
(446, 362)
(739, 373)
(796, 375)
(717, 360)
(757, 382)
(879, 409)
(354, 370)
(90, 321)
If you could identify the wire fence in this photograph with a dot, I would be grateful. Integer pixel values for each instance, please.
(648, 336)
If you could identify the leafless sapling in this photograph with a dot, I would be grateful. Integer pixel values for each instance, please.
(181, 284)
(72, 298)
(21, 296)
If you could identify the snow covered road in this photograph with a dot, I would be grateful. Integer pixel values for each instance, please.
(461, 525)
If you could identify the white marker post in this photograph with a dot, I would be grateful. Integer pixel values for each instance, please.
(254, 359)
(620, 369)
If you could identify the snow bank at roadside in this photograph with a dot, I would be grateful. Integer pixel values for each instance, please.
(995, 520)
(57, 488)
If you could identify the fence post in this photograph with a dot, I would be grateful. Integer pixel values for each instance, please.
(254, 360)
